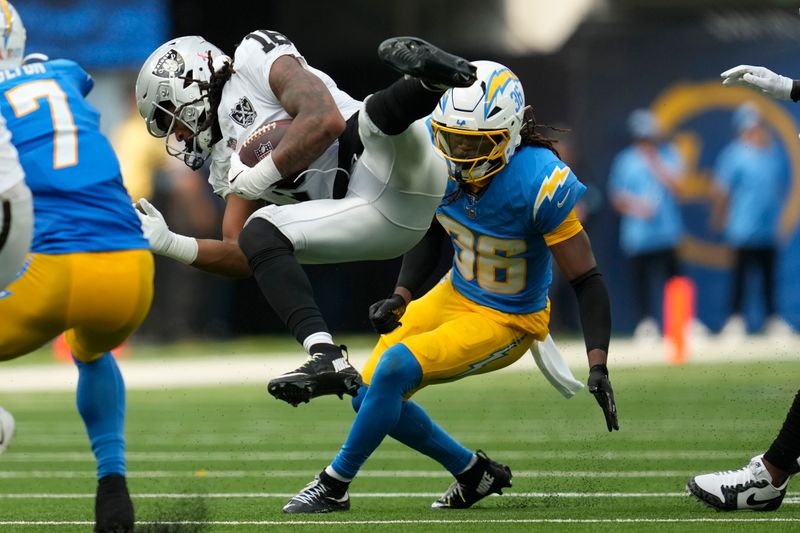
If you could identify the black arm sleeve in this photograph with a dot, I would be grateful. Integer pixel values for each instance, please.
(595, 309)
(422, 259)
(795, 94)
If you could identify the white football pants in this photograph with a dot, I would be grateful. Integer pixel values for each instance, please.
(16, 230)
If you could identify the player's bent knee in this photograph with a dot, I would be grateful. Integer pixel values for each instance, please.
(261, 237)
(397, 367)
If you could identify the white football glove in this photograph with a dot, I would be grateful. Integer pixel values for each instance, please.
(162, 240)
(251, 182)
(759, 78)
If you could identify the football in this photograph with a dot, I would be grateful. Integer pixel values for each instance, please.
(263, 141)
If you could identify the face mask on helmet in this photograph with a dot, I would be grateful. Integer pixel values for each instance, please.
(477, 128)
(12, 38)
(172, 96)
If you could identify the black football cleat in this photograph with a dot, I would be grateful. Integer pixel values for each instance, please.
(324, 373)
(420, 59)
(484, 478)
(323, 495)
(113, 508)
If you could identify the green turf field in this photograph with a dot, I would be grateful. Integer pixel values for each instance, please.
(227, 459)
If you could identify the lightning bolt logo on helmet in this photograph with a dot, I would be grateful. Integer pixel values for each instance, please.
(12, 48)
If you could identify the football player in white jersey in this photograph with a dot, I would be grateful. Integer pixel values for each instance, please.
(16, 201)
(16, 231)
(349, 181)
(761, 484)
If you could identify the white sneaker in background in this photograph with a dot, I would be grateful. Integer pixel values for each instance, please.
(698, 332)
(735, 328)
(6, 429)
(750, 487)
(775, 326)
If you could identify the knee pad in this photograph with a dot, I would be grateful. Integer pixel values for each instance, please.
(398, 368)
(261, 238)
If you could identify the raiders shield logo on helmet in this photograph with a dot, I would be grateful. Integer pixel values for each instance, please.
(243, 113)
(170, 64)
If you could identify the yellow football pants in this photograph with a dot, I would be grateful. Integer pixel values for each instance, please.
(98, 299)
(453, 337)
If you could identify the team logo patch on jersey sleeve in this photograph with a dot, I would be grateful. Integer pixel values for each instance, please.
(170, 64)
(243, 113)
(550, 186)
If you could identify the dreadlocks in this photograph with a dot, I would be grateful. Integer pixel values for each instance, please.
(531, 137)
(213, 90)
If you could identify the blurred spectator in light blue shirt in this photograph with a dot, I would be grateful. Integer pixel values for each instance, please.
(642, 187)
(751, 176)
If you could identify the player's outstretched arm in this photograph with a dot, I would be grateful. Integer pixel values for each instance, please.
(219, 257)
(418, 264)
(576, 260)
(764, 80)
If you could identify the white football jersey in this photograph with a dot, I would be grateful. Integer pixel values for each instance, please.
(248, 102)
(10, 170)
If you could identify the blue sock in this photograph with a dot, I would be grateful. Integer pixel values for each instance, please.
(417, 430)
(397, 373)
(101, 404)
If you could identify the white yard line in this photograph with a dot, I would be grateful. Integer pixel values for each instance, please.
(380, 474)
(415, 522)
(399, 455)
(791, 498)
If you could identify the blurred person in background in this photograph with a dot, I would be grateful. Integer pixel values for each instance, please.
(750, 178)
(642, 188)
(761, 484)
(90, 272)
(509, 210)
(347, 182)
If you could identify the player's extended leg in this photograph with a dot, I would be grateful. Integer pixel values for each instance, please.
(452, 350)
(761, 484)
(288, 290)
(125, 279)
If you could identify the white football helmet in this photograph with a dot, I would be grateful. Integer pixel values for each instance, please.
(477, 128)
(171, 87)
(12, 40)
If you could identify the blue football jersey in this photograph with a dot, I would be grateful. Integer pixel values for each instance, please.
(501, 259)
(80, 203)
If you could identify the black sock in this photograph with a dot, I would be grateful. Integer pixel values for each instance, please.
(786, 448)
(337, 486)
(396, 107)
(281, 278)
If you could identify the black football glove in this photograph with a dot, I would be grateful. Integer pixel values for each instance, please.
(600, 386)
(384, 315)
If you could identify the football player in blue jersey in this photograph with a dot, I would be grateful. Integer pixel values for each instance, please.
(761, 484)
(90, 272)
(508, 208)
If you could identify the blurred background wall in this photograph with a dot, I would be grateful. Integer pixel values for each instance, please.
(585, 65)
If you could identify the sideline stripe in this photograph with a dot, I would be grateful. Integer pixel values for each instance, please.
(204, 473)
(385, 522)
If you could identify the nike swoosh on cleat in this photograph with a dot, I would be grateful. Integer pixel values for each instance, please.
(751, 500)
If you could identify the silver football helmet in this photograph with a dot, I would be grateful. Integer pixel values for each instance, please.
(477, 128)
(172, 88)
(12, 39)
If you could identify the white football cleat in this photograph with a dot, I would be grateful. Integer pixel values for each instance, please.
(750, 487)
(6, 429)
